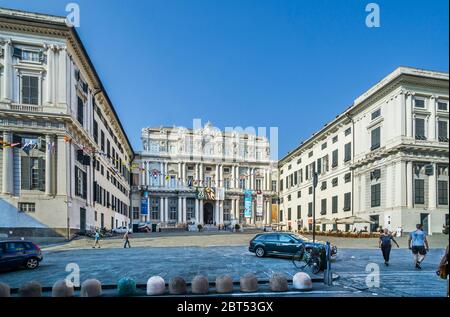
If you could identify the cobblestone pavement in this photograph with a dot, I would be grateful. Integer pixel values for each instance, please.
(222, 238)
(109, 264)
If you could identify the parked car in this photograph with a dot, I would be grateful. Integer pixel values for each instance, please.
(286, 244)
(122, 230)
(144, 228)
(18, 253)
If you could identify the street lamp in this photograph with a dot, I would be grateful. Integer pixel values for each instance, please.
(314, 205)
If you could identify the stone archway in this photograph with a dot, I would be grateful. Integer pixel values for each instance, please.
(208, 213)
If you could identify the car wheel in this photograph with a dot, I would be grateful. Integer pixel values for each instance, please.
(260, 252)
(32, 263)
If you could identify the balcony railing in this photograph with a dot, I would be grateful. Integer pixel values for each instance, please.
(25, 108)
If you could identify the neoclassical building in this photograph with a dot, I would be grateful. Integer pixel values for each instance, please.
(384, 159)
(64, 156)
(203, 176)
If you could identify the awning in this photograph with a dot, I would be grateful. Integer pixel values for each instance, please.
(352, 220)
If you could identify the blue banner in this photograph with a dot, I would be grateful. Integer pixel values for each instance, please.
(248, 204)
(144, 204)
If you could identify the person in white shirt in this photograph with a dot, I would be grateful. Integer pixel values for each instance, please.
(399, 231)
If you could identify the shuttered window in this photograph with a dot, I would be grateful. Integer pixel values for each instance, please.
(80, 183)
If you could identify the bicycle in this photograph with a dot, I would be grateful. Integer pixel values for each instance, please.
(307, 259)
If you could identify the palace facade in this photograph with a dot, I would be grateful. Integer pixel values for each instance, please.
(203, 176)
(384, 159)
(64, 156)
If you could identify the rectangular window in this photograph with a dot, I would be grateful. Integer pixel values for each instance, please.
(335, 139)
(324, 146)
(443, 131)
(419, 103)
(227, 210)
(334, 182)
(31, 56)
(442, 192)
(334, 158)
(319, 165)
(80, 111)
(334, 204)
(289, 214)
(274, 186)
(299, 212)
(310, 154)
(347, 152)
(190, 209)
(420, 129)
(419, 191)
(347, 177)
(376, 114)
(95, 132)
(442, 106)
(80, 183)
(27, 207)
(310, 211)
(323, 210)
(30, 90)
(375, 138)
(375, 195)
(347, 131)
(299, 194)
(289, 197)
(173, 208)
(347, 201)
(323, 186)
(310, 190)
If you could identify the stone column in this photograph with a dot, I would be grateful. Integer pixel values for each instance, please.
(8, 165)
(237, 208)
(410, 185)
(217, 212)
(50, 74)
(197, 211)
(221, 179)
(409, 120)
(432, 184)
(180, 209)
(432, 120)
(184, 210)
(161, 174)
(161, 209)
(253, 220)
(268, 212)
(62, 88)
(179, 175)
(216, 176)
(236, 176)
(166, 174)
(7, 72)
(166, 209)
(48, 164)
(201, 211)
(221, 204)
(201, 177)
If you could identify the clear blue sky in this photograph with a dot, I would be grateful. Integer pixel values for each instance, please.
(291, 64)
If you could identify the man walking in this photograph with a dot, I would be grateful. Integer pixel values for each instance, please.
(96, 239)
(385, 245)
(127, 240)
(418, 244)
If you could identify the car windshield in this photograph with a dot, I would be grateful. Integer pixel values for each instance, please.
(300, 237)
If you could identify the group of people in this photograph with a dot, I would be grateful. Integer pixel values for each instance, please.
(97, 236)
(417, 243)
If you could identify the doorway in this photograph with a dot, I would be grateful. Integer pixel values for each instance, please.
(424, 222)
(375, 223)
(82, 220)
(208, 213)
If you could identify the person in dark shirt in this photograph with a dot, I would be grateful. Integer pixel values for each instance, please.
(385, 245)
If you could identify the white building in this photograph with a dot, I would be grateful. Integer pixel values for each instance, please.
(384, 159)
(63, 153)
(199, 176)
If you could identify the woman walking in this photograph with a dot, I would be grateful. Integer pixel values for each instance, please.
(385, 245)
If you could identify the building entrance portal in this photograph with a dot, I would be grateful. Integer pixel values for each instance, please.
(208, 213)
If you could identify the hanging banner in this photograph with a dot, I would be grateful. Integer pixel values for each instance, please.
(200, 193)
(247, 203)
(259, 204)
(144, 204)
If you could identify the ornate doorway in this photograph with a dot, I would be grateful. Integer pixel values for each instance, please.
(208, 213)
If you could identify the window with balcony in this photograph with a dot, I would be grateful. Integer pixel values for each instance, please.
(442, 131)
(30, 90)
(334, 158)
(375, 138)
(419, 124)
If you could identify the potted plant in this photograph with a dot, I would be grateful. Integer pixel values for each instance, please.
(237, 227)
(199, 227)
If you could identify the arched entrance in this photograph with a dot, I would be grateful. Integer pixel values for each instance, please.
(208, 213)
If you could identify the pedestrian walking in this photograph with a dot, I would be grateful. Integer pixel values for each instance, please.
(385, 245)
(418, 244)
(126, 238)
(399, 231)
(96, 239)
